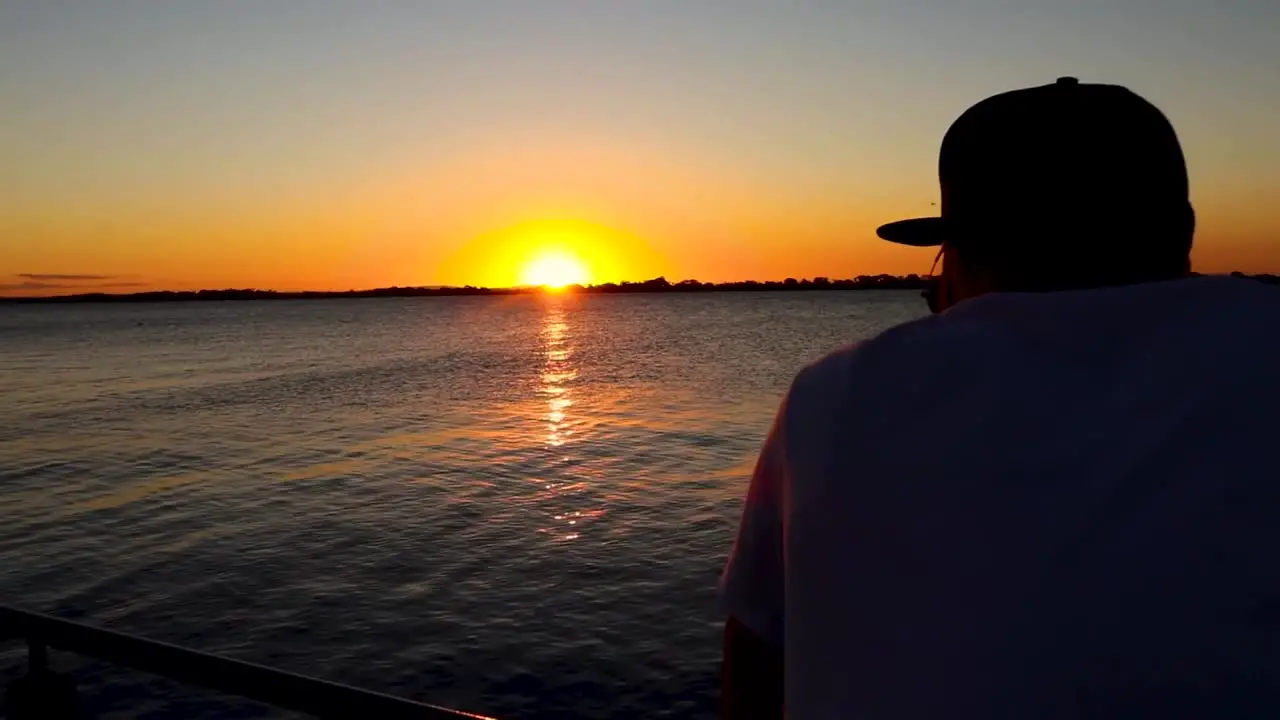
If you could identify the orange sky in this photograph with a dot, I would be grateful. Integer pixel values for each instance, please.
(167, 149)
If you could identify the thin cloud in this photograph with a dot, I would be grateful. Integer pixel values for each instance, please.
(35, 286)
(83, 287)
(59, 276)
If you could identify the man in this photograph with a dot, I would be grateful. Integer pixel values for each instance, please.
(1057, 497)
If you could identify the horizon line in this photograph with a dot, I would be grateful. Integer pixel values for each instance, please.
(656, 284)
(881, 281)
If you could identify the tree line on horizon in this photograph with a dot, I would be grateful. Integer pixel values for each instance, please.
(655, 285)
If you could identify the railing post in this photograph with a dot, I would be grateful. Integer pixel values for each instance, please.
(46, 695)
(41, 693)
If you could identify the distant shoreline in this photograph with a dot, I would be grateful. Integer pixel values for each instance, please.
(656, 285)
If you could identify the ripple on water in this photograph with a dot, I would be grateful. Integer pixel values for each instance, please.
(512, 505)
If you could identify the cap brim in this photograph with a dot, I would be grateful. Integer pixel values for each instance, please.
(917, 232)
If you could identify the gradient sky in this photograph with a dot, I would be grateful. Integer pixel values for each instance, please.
(334, 144)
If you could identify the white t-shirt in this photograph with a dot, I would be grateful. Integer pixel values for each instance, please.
(1030, 506)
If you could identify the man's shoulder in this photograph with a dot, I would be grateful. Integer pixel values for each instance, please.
(988, 339)
(908, 343)
(888, 363)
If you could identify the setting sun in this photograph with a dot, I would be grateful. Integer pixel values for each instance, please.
(551, 252)
(555, 270)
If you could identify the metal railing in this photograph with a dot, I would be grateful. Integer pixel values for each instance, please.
(266, 685)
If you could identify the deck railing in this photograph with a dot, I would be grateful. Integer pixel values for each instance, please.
(49, 696)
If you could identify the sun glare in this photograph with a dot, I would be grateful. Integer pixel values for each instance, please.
(555, 271)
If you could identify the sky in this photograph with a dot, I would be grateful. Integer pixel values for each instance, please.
(327, 144)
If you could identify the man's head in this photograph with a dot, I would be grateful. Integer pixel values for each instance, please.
(1057, 187)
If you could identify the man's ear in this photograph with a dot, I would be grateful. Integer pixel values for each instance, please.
(961, 280)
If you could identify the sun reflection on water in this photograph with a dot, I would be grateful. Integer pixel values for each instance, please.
(559, 371)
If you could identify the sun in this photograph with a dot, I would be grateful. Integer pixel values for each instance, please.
(555, 270)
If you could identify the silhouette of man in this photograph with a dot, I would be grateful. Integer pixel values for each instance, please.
(1055, 497)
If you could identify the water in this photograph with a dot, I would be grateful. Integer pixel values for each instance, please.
(517, 506)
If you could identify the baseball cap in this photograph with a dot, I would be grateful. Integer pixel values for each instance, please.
(1065, 158)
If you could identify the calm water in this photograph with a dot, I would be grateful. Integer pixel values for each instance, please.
(516, 506)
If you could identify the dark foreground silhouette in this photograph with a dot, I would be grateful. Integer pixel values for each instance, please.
(656, 285)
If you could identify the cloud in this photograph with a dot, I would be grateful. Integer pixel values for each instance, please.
(58, 276)
(34, 286)
(41, 282)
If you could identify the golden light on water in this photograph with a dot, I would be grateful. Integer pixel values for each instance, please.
(569, 496)
(557, 372)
